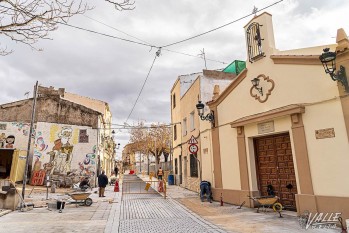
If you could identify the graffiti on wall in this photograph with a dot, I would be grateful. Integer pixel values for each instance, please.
(23, 127)
(88, 165)
(40, 145)
(62, 152)
(7, 141)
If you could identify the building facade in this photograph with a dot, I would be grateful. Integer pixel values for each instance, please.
(287, 129)
(63, 142)
(189, 168)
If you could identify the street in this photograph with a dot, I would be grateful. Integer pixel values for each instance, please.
(181, 211)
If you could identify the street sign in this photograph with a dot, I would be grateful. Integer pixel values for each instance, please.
(193, 148)
(192, 140)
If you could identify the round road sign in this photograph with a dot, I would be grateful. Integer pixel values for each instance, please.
(193, 148)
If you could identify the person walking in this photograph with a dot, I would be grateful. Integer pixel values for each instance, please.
(116, 170)
(102, 183)
(160, 173)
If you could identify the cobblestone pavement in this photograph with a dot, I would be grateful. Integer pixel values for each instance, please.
(153, 213)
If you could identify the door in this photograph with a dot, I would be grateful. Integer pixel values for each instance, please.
(274, 164)
(180, 169)
(185, 170)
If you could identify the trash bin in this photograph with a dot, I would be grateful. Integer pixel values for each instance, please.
(59, 204)
(170, 179)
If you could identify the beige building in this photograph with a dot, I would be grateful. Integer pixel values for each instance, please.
(187, 90)
(287, 129)
(105, 142)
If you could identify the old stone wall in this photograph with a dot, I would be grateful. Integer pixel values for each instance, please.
(50, 109)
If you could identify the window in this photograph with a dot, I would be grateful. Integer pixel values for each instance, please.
(184, 125)
(174, 100)
(83, 137)
(175, 132)
(254, 42)
(176, 166)
(192, 124)
(193, 165)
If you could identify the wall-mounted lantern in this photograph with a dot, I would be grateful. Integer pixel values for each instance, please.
(328, 60)
(209, 117)
(255, 83)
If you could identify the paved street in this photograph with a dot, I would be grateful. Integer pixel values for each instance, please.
(181, 211)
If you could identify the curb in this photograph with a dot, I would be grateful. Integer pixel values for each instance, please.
(4, 212)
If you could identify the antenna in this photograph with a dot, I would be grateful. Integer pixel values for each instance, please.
(254, 11)
(27, 94)
(202, 54)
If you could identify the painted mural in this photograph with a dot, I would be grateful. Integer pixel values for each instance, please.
(40, 145)
(7, 141)
(88, 165)
(22, 127)
(62, 152)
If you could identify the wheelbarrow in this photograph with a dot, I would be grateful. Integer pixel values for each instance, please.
(81, 198)
(268, 202)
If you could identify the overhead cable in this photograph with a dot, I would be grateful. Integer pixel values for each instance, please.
(145, 81)
(204, 33)
(134, 37)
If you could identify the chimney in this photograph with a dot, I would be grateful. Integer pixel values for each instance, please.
(215, 92)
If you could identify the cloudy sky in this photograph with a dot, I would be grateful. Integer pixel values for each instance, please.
(114, 71)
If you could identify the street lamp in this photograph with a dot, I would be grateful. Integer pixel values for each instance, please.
(328, 60)
(209, 117)
(255, 83)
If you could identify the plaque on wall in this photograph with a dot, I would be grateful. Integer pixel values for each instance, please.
(325, 133)
(265, 127)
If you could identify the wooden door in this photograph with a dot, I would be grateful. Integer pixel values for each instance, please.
(275, 167)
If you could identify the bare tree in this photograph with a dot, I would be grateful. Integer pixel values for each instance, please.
(154, 140)
(28, 21)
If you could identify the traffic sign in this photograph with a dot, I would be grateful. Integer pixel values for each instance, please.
(192, 140)
(193, 148)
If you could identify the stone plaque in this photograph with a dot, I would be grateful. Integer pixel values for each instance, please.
(265, 127)
(325, 133)
(3, 126)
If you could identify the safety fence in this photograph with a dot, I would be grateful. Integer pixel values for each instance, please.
(143, 187)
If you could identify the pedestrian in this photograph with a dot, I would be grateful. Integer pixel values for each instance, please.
(160, 173)
(102, 183)
(116, 170)
(205, 188)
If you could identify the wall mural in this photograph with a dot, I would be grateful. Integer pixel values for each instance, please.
(24, 127)
(88, 166)
(61, 153)
(40, 145)
(7, 141)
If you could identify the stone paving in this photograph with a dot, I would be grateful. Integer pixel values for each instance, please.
(153, 213)
(181, 211)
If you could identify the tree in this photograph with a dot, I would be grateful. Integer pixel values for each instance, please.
(28, 21)
(154, 140)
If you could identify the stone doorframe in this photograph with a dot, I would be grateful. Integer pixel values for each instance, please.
(301, 152)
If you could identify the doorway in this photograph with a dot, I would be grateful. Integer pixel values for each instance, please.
(180, 169)
(275, 168)
(6, 157)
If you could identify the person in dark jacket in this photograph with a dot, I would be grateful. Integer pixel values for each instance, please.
(116, 171)
(102, 183)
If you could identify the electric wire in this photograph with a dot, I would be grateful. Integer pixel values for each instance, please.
(134, 37)
(212, 30)
(107, 35)
(145, 81)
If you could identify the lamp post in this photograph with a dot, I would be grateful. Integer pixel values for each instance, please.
(328, 60)
(255, 83)
(209, 117)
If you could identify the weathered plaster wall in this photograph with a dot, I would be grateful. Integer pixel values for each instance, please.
(49, 109)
